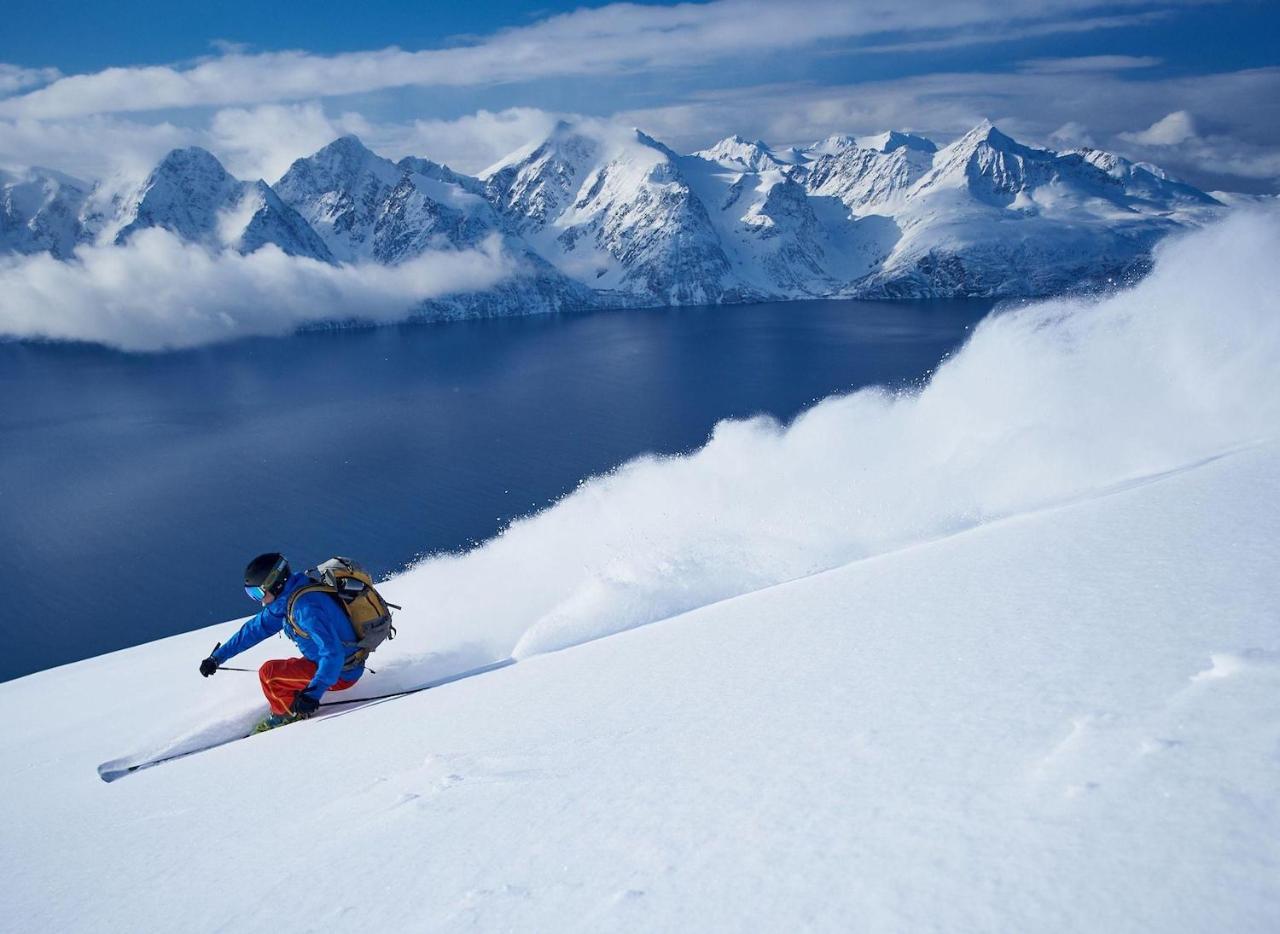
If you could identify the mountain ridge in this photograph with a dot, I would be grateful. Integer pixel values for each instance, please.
(602, 216)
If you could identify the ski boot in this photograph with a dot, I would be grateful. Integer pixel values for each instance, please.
(274, 720)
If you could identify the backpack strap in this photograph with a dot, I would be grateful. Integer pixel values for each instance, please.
(293, 598)
(356, 657)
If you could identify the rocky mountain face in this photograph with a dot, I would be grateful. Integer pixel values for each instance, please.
(875, 175)
(190, 194)
(594, 217)
(366, 207)
(992, 217)
(370, 209)
(614, 212)
(40, 212)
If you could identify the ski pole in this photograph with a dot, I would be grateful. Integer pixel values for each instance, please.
(218, 645)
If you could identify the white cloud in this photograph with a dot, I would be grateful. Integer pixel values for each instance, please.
(469, 144)
(1064, 66)
(1177, 127)
(1090, 100)
(1072, 134)
(990, 33)
(1036, 107)
(157, 293)
(1176, 140)
(613, 39)
(89, 147)
(15, 78)
(229, 46)
(262, 142)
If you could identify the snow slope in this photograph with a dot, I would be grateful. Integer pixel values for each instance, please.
(1001, 654)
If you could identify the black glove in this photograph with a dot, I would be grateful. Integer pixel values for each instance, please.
(208, 666)
(304, 705)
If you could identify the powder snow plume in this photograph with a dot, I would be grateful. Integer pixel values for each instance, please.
(1045, 403)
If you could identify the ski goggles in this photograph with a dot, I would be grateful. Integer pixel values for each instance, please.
(257, 592)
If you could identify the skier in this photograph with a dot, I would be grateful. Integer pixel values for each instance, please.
(315, 622)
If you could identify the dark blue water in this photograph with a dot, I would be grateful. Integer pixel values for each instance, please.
(134, 488)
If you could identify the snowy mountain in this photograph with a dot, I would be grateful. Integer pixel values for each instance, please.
(737, 153)
(341, 192)
(1143, 181)
(614, 211)
(996, 218)
(536, 186)
(596, 215)
(830, 146)
(872, 175)
(887, 216)
(369, 209)
(40, 212)
(190, 194)
(995, 654)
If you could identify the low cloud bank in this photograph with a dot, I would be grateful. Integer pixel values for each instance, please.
(1043, 404)
(158, 293)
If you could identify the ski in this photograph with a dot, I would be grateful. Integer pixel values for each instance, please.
(116, 769)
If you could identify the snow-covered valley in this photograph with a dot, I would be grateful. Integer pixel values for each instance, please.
(998, 654)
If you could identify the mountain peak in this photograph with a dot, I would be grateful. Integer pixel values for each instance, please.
(832, 145)
(563, 136)
(987, 132)
(751, 154)
(566, 135)
(895, 139)
(344, 148)
(646, 140)
(191, 160)
(564, 143)
(736, 143)
(340, 163)
(562, 128)
(348, 141)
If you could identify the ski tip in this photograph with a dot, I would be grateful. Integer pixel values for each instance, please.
(110, 771)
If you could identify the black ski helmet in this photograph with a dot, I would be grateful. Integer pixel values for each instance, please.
(269, 571)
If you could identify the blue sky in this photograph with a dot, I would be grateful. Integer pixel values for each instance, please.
(100, 88)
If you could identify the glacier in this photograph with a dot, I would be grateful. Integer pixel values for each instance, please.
(598, 216)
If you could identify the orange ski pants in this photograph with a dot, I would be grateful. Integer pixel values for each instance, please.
(283, 678)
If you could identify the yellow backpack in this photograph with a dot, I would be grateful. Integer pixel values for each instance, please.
(353, 588)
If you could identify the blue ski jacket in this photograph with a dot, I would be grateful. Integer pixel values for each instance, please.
(324, 635)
